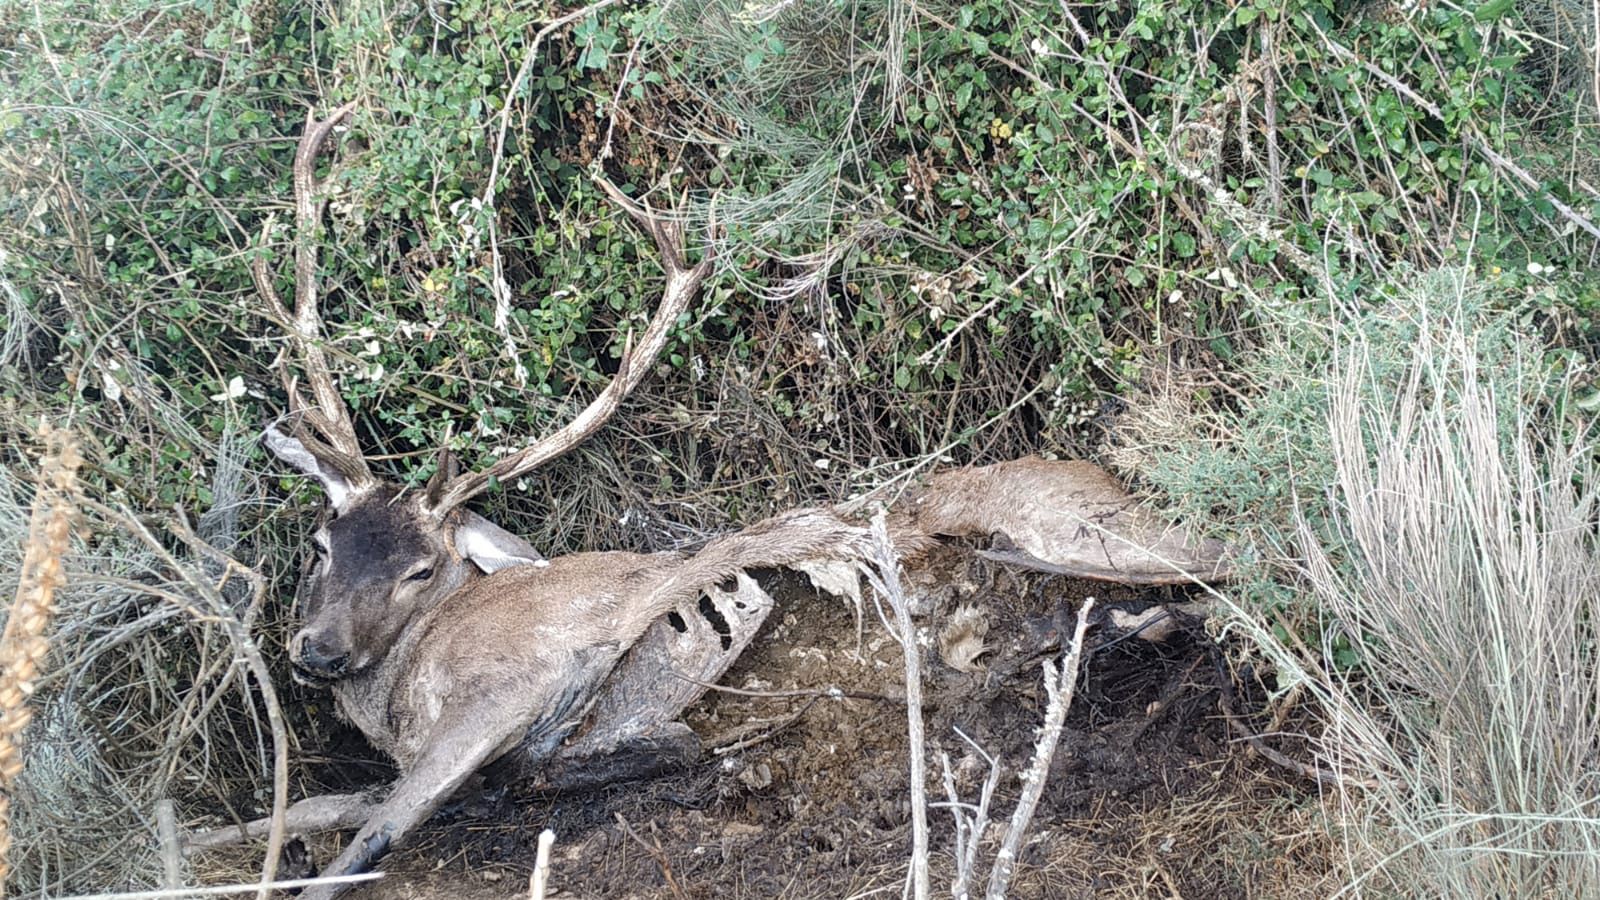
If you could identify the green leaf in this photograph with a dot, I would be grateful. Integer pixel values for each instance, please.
(963, 96)
(1492, 10)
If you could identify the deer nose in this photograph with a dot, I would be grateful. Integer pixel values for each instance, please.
(319, 656)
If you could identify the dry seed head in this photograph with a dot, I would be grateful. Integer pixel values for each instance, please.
(23, 645)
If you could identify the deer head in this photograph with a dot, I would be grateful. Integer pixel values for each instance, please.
(385, 554)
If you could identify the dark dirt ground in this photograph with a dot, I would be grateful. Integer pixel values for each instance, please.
(1148, 795)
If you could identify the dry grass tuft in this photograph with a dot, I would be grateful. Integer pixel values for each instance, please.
(1466, 570)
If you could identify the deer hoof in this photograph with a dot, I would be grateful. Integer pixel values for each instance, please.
(295, 862)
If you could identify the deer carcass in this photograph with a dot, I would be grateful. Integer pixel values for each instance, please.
(452, 644)
(418, 610)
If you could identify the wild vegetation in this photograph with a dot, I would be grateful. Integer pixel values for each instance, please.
(1319, 277)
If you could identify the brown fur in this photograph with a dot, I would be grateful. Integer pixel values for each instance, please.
(513, 660)
(1065, 516)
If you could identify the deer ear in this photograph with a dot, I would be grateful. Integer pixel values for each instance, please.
(492, 548)
(291, 450)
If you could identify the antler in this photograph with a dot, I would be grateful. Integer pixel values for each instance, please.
(683, 281)
(324, 427)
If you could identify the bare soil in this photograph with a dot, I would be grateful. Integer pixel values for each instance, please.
(806, 795)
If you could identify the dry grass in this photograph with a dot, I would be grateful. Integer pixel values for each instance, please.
(146, 697)
(1420, 498)
(1469, 573)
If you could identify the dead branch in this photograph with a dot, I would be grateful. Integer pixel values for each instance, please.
(653, 848)
(1060, 686)
(884, 574)
(1227, 702)
(540, 879)
(969, 827)
(1519, 174)
(227, 889)
(245, 652)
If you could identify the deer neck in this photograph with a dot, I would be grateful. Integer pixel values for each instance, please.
(373, 699)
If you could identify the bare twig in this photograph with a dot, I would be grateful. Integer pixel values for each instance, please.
(653, 847)
(313, 815)
(226, 889)
(498, 286)
(885, 577)
(1060, 686)
(171, 850)
(752, 733)
(1226, 702)
(1269, 101)
(969, 827)
(245, 652)
(1478, 144)
(759, 731)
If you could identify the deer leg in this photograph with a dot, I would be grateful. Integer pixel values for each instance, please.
(328, 812)
(457, 746)
(671, 748)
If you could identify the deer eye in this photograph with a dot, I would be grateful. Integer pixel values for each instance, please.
(422, 575)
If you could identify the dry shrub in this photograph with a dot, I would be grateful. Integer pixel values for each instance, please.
(1468, 574)
(144, 696)
(1419, 497)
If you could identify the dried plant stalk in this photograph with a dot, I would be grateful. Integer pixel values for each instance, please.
(24, 644)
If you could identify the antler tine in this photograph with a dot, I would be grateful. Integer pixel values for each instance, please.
(328, 415)
(683, 281)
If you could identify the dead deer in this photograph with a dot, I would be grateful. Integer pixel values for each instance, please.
(386, 555)
(452, 643)
(512, 664)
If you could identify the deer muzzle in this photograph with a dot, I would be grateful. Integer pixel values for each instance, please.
(317, 658)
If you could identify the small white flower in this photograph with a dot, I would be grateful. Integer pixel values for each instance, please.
(233, 390)
(1535, 269)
